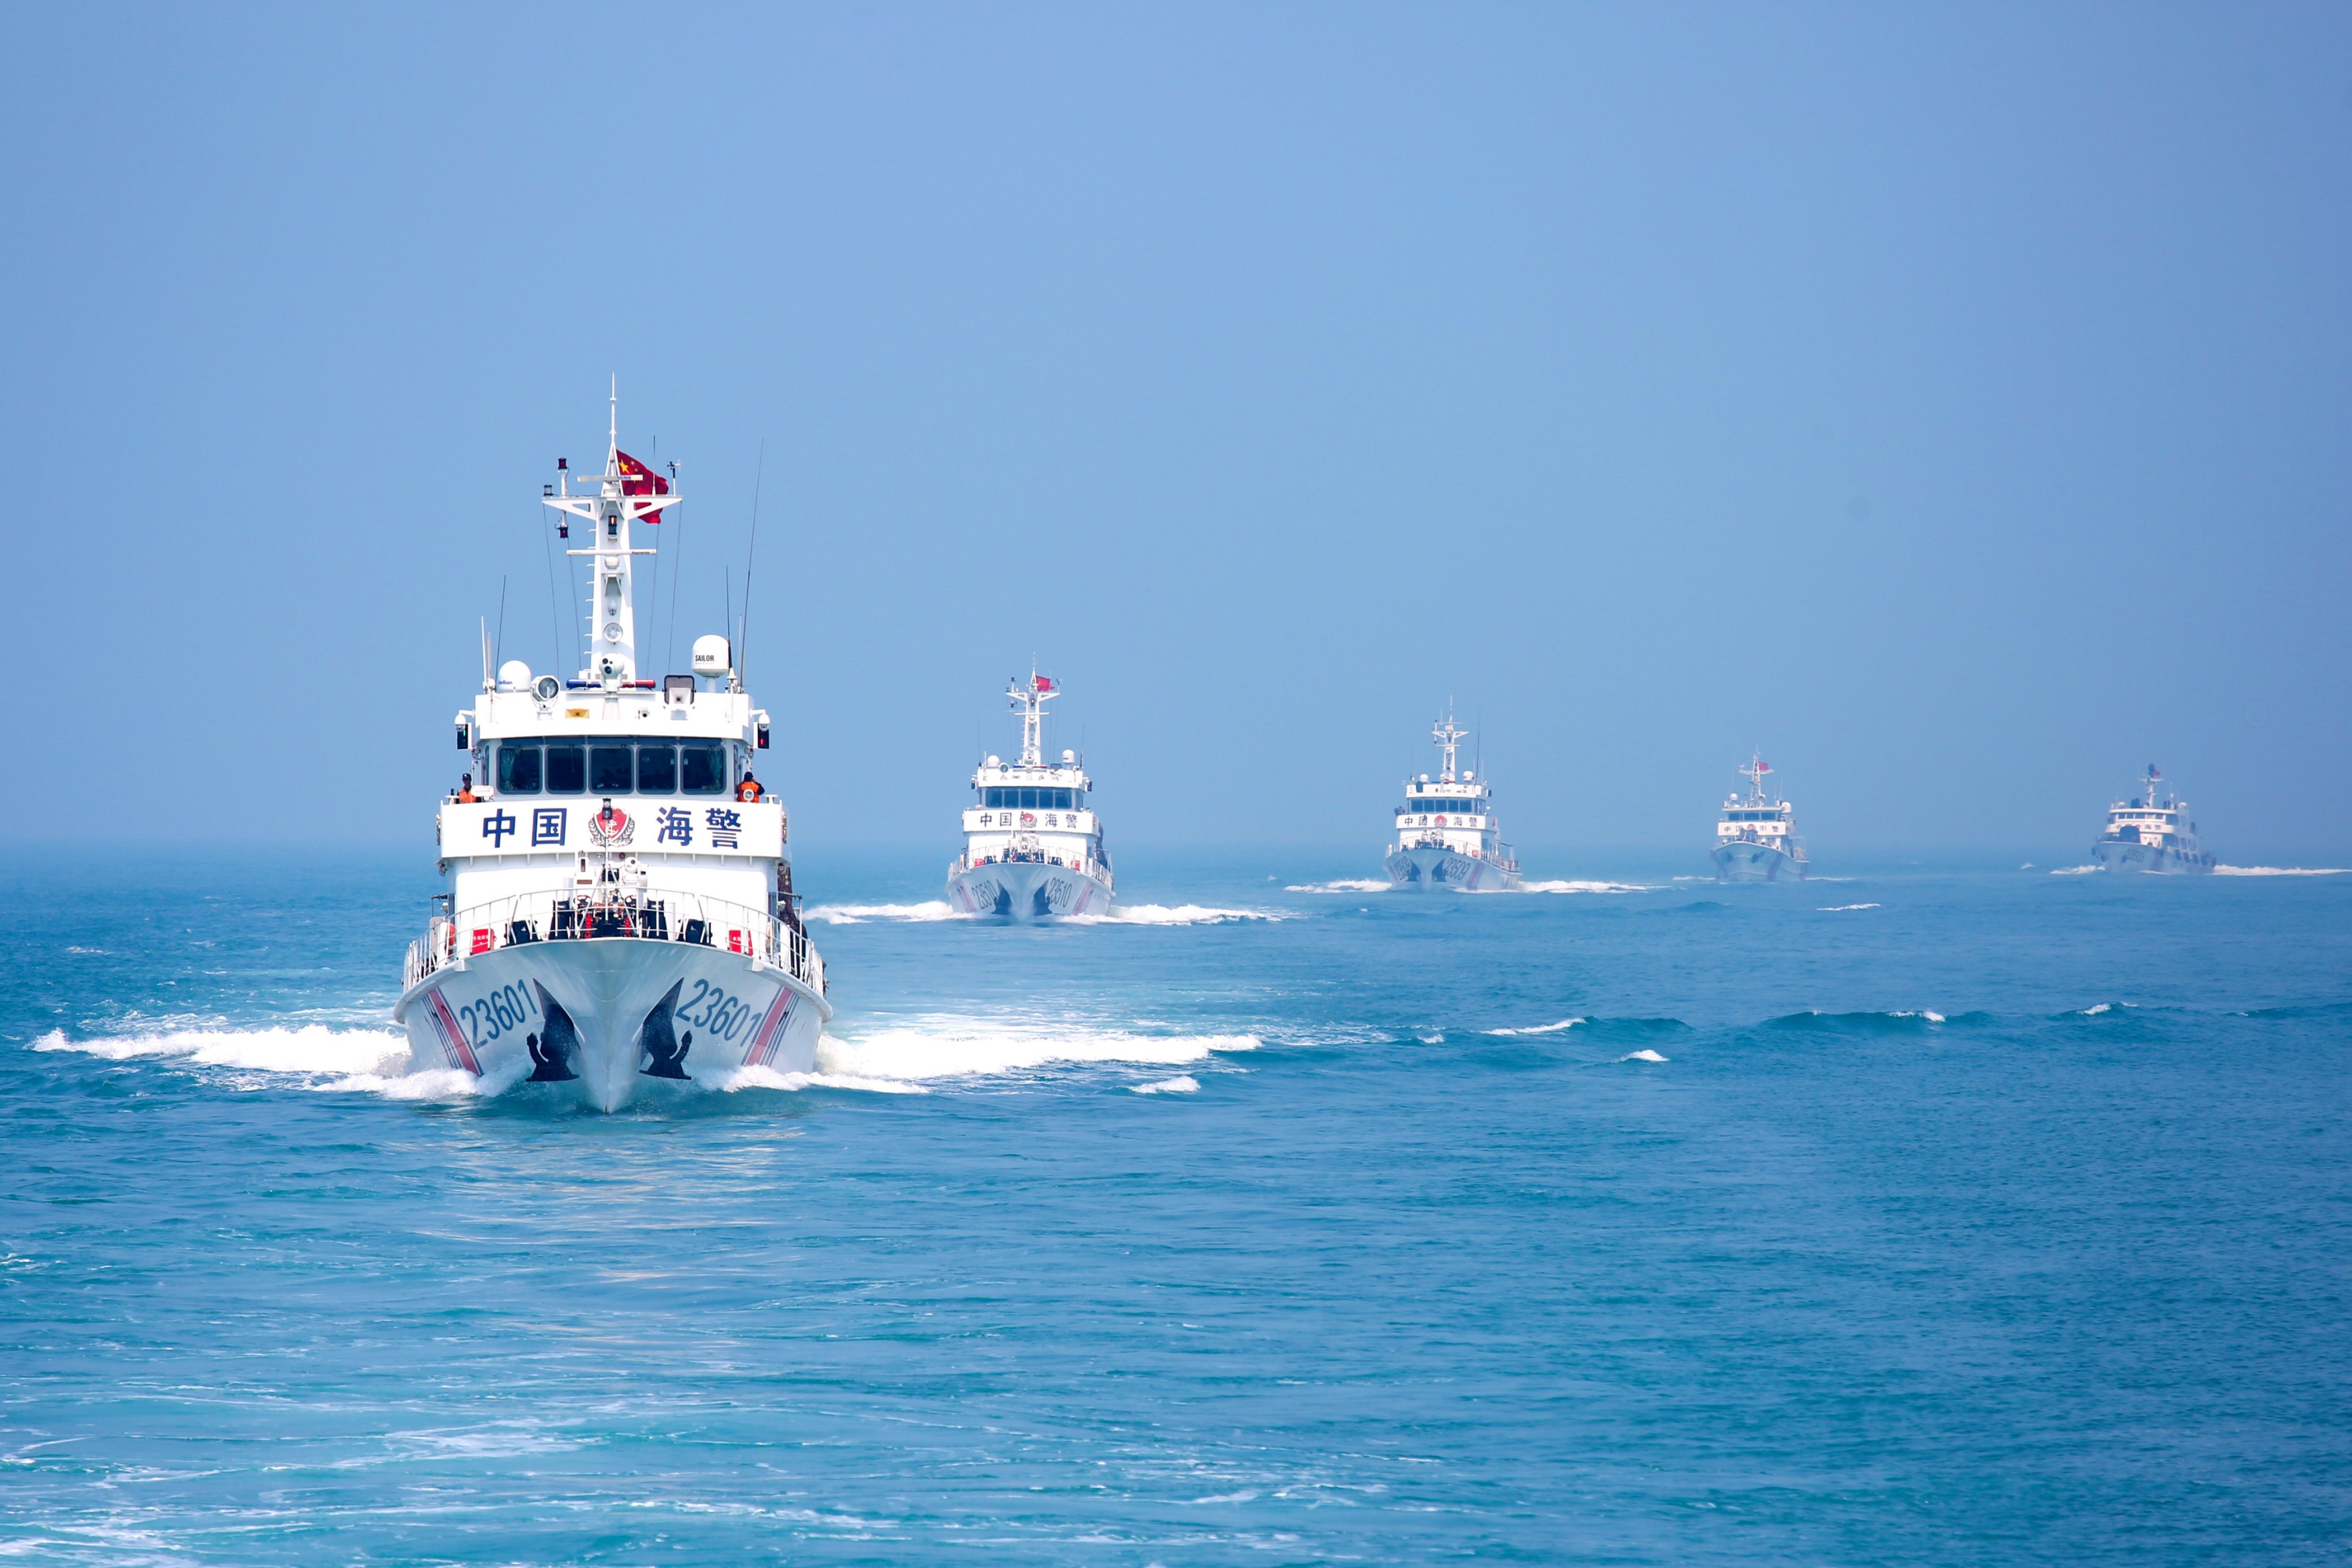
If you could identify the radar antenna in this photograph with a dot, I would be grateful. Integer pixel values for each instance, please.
(1753, 773)
(1449, 736)
(1029, 700)
(626, 493)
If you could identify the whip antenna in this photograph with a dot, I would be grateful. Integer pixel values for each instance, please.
(750, 556)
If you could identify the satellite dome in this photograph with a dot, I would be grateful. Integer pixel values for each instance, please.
(1069, 758)
(712, 656)
(514, 675)
(994, 760)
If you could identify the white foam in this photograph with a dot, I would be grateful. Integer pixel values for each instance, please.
(2096, 1008)
(1579, 887)
(769, 1078)
(942, 1047)
(1355, 885)
(889, 1061)
(1841, 908)
(1539, 1029)
(2072, 870)
(1922, 1013)
(314, 1049)
(1640, 1056)
(857, 913)
(2279, 871)
(1188, 1084)
(1162, 914)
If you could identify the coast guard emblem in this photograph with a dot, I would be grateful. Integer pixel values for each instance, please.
(612, 827)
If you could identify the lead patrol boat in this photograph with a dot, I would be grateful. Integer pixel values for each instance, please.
(1032, 847)
(616, 916)
(1447, 833)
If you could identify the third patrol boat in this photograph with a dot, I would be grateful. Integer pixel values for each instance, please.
(1756, 839)
(1032, 847)
(1447, 833)
(2150, 835)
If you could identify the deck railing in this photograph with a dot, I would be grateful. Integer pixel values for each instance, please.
(596, 913)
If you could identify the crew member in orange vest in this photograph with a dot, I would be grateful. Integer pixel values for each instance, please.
(749, 789)
(466, 790)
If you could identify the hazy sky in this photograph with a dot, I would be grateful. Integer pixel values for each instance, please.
(1951, 401)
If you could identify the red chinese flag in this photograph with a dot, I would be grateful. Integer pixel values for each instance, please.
(1044, 683)
(637, 479)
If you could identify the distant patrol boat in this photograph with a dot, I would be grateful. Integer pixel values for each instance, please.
(1447, 833)
(2151, 836)
(1033, 846)
(1756, 839)
(620, 908)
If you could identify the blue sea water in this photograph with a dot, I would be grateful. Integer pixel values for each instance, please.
(1919, 1217)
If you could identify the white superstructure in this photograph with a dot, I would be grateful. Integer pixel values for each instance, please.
(1756, 838)
(620, 907)
(1447, 833)
(1032, 847)
(2151, 835)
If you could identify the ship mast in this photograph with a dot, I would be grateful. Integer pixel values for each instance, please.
(1030, 701)
(1753, 773)
(609, 513)
(1447, 736)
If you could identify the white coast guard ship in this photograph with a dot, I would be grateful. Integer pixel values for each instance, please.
(2150, 835)
(1032, 847)
(1447, 833)
(1756, 839)
(617, 914)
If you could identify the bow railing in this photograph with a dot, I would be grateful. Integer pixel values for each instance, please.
(590, 913)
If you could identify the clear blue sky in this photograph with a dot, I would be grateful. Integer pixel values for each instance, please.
(1951, 401)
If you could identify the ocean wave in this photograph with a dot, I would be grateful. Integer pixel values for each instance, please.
(1842, 909)
(857, 913)
(942, 1047)
(1905, 1022)
(2279, 871)
(1345, 884)
(1188, 1084)
(1581, 887)
(1538, 1028)
(2072, 870)
(1640, 1056)
(1162, 914)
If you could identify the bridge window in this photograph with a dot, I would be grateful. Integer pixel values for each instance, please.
(612, 770)
(1010, 799)
(657, 769)
(517, 770)
(702, 769)
(567, 769)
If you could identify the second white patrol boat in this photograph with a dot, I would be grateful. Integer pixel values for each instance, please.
(1032, 847)
(1448, 836)
(1756, 839)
